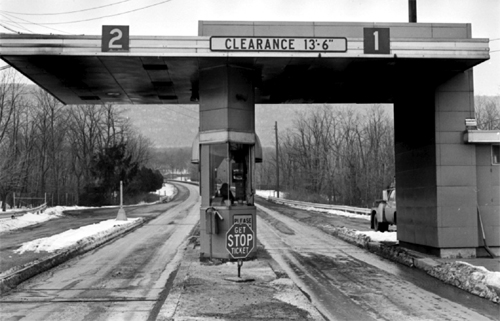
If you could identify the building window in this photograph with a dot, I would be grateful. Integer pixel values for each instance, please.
(495, 154)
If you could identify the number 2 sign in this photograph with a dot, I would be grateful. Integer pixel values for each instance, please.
(376, 41)
(115, 38)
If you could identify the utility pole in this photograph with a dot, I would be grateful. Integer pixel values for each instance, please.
(412, 11)
(277, 161)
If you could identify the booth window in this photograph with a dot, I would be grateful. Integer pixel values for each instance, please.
(230, 174)
(495, 154)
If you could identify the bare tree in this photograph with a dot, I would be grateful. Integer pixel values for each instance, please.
(488, 112)
(13, 159)
(337, 154)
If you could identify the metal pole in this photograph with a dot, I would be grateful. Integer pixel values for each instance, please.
(240, 263)
(277, 161)
(122, 216)
(412, 11)
(121, 193)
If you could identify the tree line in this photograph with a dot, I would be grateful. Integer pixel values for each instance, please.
(85, 150)
(343, 154)
(335, 154)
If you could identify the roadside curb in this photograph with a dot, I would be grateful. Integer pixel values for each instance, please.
(9, 281)
(475, 280)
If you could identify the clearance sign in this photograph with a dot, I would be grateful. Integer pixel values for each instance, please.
(300, 44)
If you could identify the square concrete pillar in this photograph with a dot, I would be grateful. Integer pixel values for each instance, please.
(435, 170)
(227, 99)
(456, 168)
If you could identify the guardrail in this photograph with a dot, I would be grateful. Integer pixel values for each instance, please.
(35, 210)
(349, 209)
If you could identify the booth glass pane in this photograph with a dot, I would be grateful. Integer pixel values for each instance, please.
(219, 168)
(240, 172)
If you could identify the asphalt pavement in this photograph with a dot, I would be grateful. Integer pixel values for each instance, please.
(213, 290)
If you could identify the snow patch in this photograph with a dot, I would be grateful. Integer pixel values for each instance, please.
(167, 190)
(380, 236)
(9, 224)
(269, 193)
(332, 212)
(71, 237)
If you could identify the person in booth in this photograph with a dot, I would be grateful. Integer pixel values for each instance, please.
(225, 193)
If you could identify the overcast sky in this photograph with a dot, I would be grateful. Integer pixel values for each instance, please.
(180, 18)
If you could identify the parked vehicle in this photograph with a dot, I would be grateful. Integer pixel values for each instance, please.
(383, 211)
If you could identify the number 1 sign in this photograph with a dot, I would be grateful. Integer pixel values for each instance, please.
(115, 38)
(376, 41)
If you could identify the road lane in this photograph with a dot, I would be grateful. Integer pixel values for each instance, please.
(123, 280)
(348, 283)
(11, 240)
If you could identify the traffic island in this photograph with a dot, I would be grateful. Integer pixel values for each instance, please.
(203, 291)
(473, 279)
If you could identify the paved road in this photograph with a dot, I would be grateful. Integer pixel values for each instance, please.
(348, 283)
(124, 280)
(10, 241)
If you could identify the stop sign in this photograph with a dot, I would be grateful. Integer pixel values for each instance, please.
(240, 240)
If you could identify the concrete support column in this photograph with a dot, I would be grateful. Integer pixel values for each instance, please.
(415, 153)
(456, 168)
(435, 170)
(227, 99)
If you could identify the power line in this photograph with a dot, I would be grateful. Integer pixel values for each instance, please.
(12, 30)
(66, 12)
(12, 22)
(90, 19)
(20, 23)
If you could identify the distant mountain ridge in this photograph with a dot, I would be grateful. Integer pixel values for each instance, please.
(177, 125)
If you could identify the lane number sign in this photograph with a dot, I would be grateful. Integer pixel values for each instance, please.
(115, 38)
(240, 240)
(376, 41)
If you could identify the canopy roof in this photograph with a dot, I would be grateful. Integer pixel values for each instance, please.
(164, 70)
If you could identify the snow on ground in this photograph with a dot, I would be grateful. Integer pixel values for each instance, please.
(374, 236)
(8, 224)
(269, 193)
(272, 193)
(88, 233)
(68, 238)
(332, 212)
(166, 190)
(379, 236)
(491, 278)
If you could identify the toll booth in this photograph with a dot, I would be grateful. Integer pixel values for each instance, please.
(227, 149)
(227, 171)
